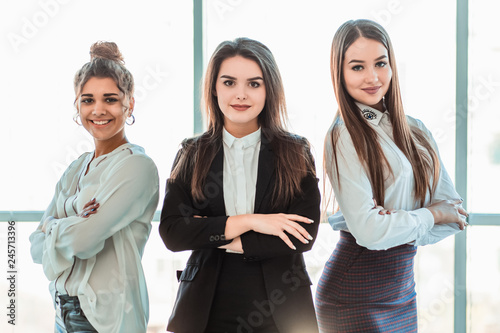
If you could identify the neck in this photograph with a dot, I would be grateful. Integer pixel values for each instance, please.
(379, 106)
(102, 148)
(241, 131)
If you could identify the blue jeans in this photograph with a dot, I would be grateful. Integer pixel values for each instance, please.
(71, 318)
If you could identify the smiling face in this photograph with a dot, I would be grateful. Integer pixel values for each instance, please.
(241, 95)
(367, 73)
(103, 114)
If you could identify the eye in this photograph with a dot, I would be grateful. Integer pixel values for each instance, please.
(111, 100)
(228, 83)
(357, 68)
(86, 100)
(254, 84)
(381, 64)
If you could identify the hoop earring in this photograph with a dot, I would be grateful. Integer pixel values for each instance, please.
(133, 120)
(75, 119)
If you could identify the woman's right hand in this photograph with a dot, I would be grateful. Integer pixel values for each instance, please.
(449, 211)
(277, 224)
(89, 208)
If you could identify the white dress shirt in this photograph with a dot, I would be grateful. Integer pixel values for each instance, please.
(241, 161)
(409, 224)
(98, 258)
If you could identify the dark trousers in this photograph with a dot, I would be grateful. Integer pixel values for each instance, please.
(71, 318)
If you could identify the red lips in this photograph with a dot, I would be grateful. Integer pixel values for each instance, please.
(240, 107)
(371, 90)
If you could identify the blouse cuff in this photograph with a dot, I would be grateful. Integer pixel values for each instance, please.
(425, 216)
(50, 222)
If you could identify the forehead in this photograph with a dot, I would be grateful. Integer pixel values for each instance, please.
(100, 84)
(239, 66)
(365, 49)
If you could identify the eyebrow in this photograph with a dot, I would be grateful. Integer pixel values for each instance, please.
(233, 78)
(105, 95)
(361, 61)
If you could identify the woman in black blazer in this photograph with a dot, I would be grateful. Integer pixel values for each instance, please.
(244, 197)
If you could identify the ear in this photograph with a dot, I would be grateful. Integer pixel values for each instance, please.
(131, 106)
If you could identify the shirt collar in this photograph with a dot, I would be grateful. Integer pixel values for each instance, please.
(372, 115)
(246, 141)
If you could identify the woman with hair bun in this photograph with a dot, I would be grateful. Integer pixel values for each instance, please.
(91, 238)
(392, 189)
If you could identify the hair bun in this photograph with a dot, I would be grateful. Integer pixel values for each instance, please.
(106, 50)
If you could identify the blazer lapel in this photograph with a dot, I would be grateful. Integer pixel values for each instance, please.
(214, 189)
(264, 173)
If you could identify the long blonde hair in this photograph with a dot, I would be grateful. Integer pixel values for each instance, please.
(425, 163)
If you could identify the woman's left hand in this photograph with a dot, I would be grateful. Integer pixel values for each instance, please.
(90, 208)
(47, 220)
(234, 246)
(382, 210)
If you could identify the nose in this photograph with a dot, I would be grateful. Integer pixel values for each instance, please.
(99, 109)
(371, 75)
(241, 94)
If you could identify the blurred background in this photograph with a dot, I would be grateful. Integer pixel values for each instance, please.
(166, 45)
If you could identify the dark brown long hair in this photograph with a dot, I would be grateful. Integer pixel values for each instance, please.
(425, 162)
(293, 160)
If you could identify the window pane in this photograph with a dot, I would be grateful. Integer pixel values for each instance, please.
(484, 98)
(47, 42)
(483, 276)
(434, 276)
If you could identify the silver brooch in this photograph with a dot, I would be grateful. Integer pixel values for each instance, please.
(369, 114)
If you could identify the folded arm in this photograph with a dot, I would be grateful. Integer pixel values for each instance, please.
(130, 190)
(354, 194)
(258, 246)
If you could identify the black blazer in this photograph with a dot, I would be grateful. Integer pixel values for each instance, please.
(286, 279)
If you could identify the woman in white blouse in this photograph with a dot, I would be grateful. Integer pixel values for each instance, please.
(244, 197)
(92, 236)
(392, 190)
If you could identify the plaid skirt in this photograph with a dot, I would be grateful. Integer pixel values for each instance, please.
(367, 291)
